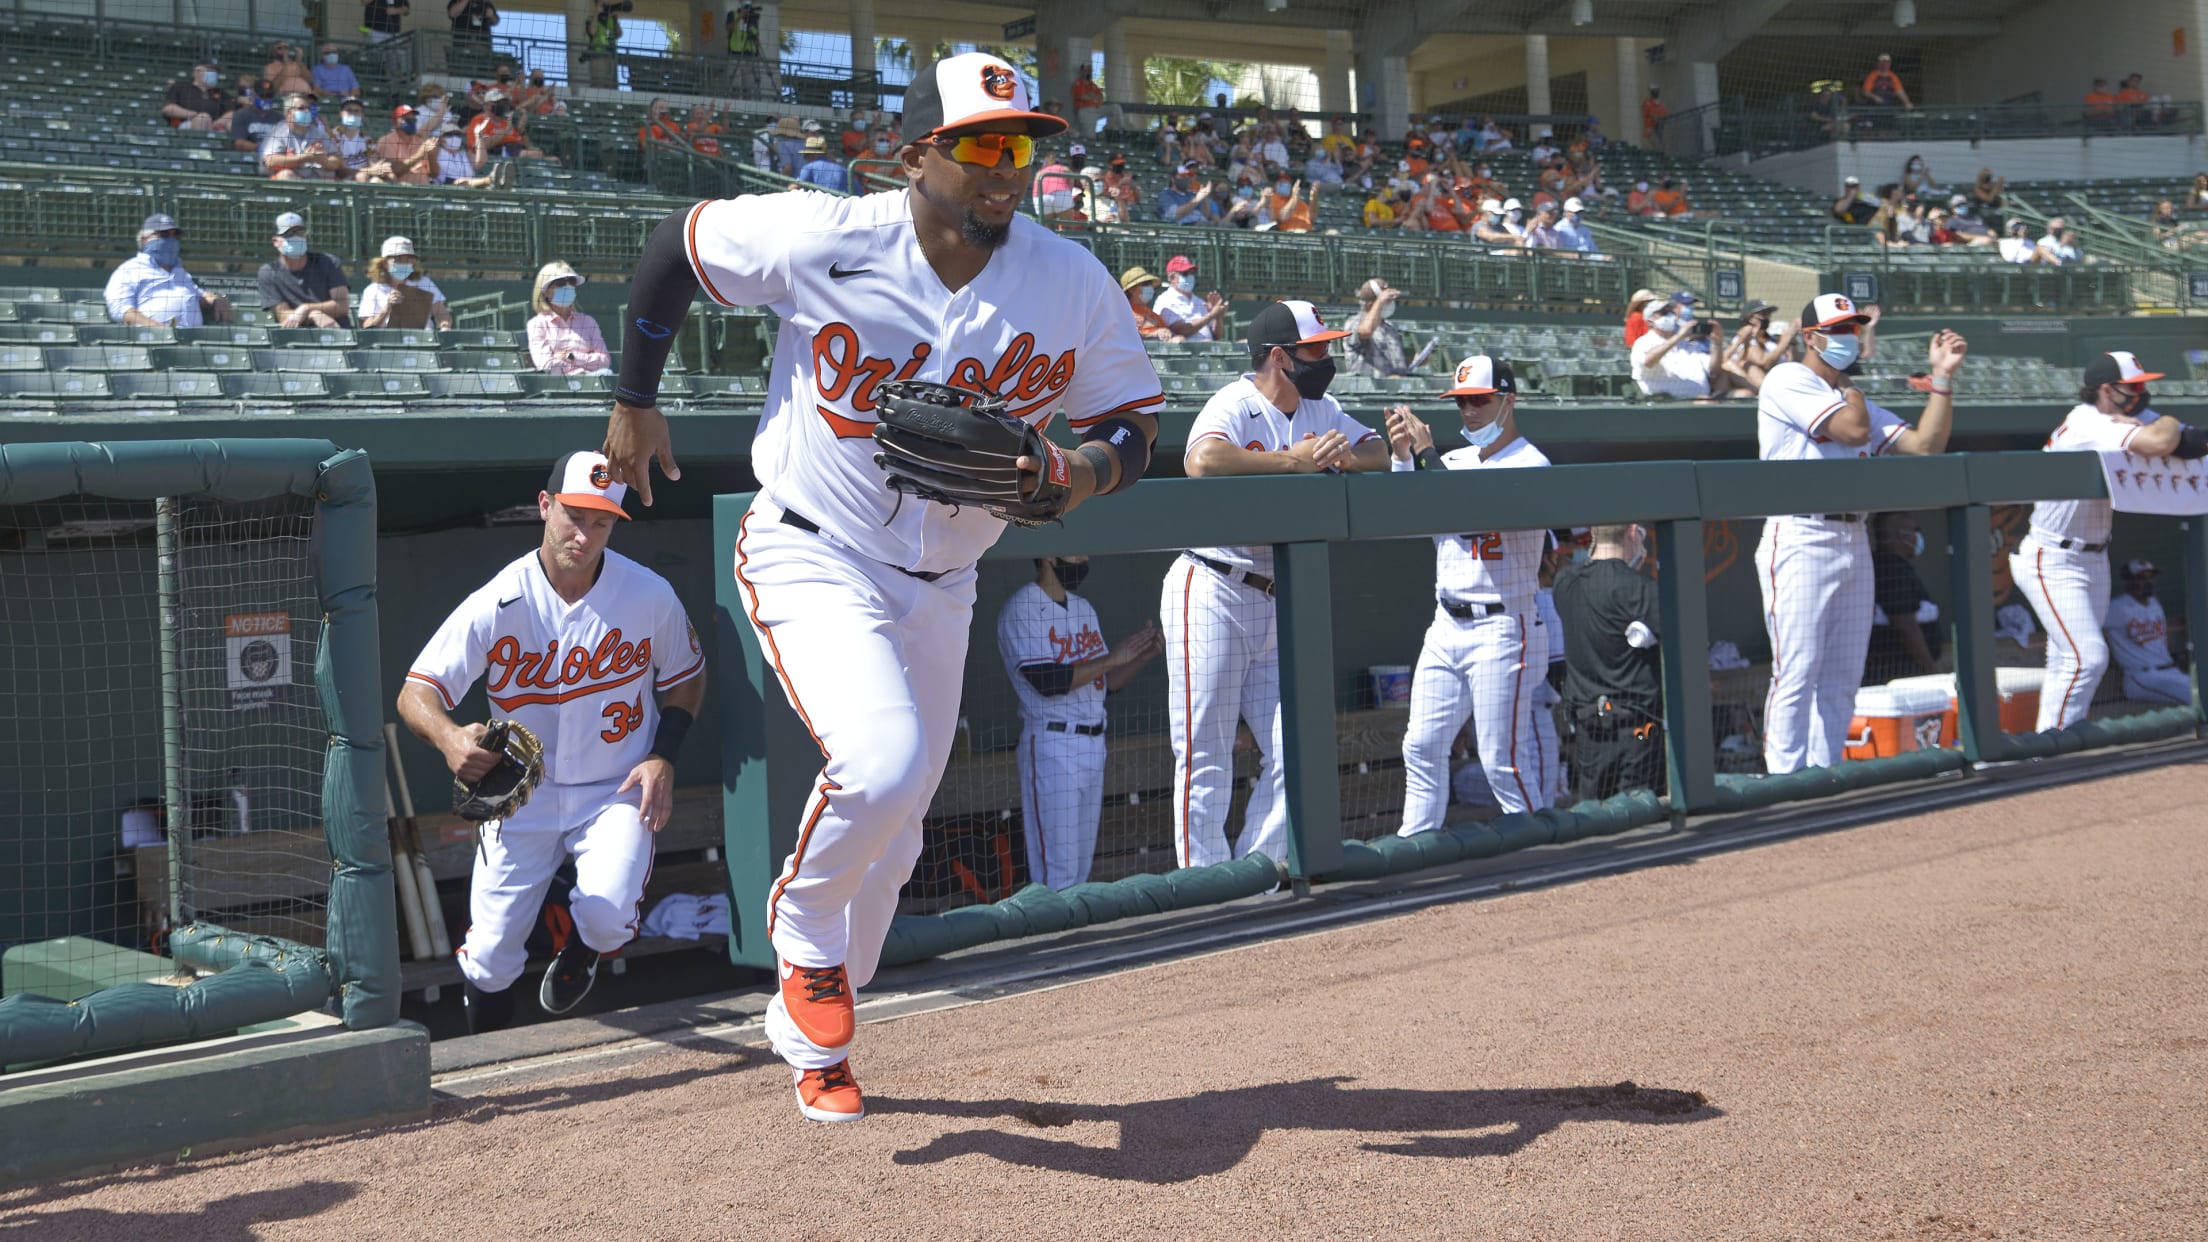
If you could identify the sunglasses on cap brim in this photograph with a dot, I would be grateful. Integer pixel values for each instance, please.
(1477, 400)
(988, 150)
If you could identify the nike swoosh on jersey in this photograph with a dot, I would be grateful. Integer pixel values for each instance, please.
(840, 273)
(504, 602)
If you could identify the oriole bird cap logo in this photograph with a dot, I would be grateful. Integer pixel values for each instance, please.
(998, 82)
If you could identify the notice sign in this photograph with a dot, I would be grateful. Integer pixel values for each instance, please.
(258, 648)
(2164, 485)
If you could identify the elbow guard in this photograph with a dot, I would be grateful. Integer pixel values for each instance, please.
(1126, 441)
(2192, 443)
(1049, 680)
(659, 300)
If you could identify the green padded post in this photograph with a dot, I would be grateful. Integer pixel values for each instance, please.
(1970, 592)
(1690, 753)
(1306, 612)
(2196, 610)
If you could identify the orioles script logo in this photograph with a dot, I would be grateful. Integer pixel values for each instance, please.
(997, 82)
(615, 662)
(842, 371)
(1085, 644)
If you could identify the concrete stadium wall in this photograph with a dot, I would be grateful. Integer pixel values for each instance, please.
(2057, 49)
(1956, 163)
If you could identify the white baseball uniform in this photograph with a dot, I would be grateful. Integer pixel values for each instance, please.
(2061, 565)
(1222, 647)
(1484, 659)
(1549, 745)
(1815, 574)
(862, 598)
(2139, 638)
(583, 677)
(1061, 753)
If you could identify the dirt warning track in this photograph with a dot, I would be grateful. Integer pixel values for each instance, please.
(1986, 1022)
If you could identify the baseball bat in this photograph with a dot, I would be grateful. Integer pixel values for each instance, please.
(425, 883)
(402, 877)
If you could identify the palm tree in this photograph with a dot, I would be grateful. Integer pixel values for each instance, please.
(1176, 80)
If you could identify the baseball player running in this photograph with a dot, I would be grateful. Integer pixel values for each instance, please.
(2139, 638)
(1054, 652)
(2061, 564)
(1221, 640)
(1486, 654)
(591, 652)
(862, 594)
(1814, 569)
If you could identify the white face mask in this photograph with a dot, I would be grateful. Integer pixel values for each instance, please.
(329, 58)
(452, 142)
(563, 295)
(1146, 293)
(400, 271)
(1387, 310)
(1184, 282)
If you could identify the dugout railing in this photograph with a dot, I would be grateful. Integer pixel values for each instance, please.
(769, 760)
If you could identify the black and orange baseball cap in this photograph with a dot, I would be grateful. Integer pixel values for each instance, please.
(1290, 324)
(584, 480)
(1480, 376)
(2117, 366)
(1829, 310)
(972, 88)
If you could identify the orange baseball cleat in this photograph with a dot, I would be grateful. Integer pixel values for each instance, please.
(818, 999)
(829, 1094)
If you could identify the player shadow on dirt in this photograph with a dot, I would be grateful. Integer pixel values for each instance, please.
(476, 1110)
(1178, 1140)
(237, 1218)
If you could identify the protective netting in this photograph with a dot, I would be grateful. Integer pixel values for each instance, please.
(85, 823)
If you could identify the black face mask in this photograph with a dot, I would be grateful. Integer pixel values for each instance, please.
(406, 126)
(1310, 378)
(1071, 574)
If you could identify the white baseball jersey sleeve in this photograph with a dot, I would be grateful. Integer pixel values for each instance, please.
(1036, 629)
(1240, 414)
(1043, 325)
(1792, 408)
(2138, 633)
(580, 676)
(2085, 430)
(1491, 567)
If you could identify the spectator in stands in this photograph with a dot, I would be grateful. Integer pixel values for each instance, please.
(660, 126)
(1573, 230)
(491, 135)
(455, 163)
(1121, 189)
(1670, 198)
(1640, 202)
(1322, 170)
(1636, 316)
(1056, 186)
(1141, 289)
(287, 69)
(2135, 104)
(433, 105)
(1285, 204)
(2172, 230)
(1828, 106)
(1190, 319)
(1199, 146)
(196, 101)
(1674, 358)
(300, 149)
(1754, 348)
(538, 98)
(1270, 148)
(1653, 113)
(1987, 193)
(1963, 222)
(2017, 247)
(472, 22)
(151, 289)
(1186, 202)
(1939, 227)
(333, 76)
(1089, 106)
(303, 288)
(1376, 345)
(1493, 226)
(1886, 221)
(2100, 105)
(410, 154)
(384, 20)
(1882, 86)
(1492, 138)
(350, 139)
(1913, 224)
(1850, 207)
(2196, 199)
(255, 117)
(789, 145)
(1542, 234)
(1905, 639)
(702, 132)
(563, 340)
(1916, 179)
(2061, 243)
(1380, 210)
(853, 140)
(399, 293)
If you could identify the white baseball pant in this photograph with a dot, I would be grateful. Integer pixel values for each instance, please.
(1061, 797)
(2068, 588)
(1548, 745)
(613, 860)
(1487, 669)
(873, 659)
(1815, 576)
(1222, 665)
(2168, 685)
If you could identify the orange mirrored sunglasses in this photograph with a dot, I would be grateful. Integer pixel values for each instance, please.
(987, 150)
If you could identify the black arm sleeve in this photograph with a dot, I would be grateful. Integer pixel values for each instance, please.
(1049, 680)
(659, 300)
(2192, 442)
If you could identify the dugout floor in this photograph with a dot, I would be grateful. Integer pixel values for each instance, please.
(1980, 1021)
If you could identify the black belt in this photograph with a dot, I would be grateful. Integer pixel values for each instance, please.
(2067, 544)
(1466, 610)
(1060, 726)
(1256, 581)
(791, 517)
(1841, 517)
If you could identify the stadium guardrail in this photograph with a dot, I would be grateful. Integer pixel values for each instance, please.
(1931, 278)
(1734, 128)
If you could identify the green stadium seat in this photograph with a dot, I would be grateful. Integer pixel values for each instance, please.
(282, 385)
(37, 294)
(125, 334)
(38, 334)
(676, 386)
(480, 338)
(222, 334)
(729, 386)
(483, 360)
(99, 358)
(52, 384)
(417, 360)
(311, 338)
(395, 338)
(538, 384)
(301, 360)
(472, 384)
(200, 358)
(375, 384)
(192, 385)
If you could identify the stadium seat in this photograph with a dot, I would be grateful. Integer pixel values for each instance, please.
(125, 334)
(38, 334)
(291, 385)
(311, 338)
(301, 360)
(729, 385)
(52, 384)
(480, 338)
(99, 358)
(483, 360)
(376, 384)
(419, 360)
(472, 384)
(222, 334)
(538, 384)
(192, 385)
(395, 338)
(200, 358)
(676, 386)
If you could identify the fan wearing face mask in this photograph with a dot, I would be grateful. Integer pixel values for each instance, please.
(151, 289)
(1375, 345)
(399, 293)
(1814, 569)
(1054, 653)
(562, 339)
(2061, 564)
(1222, 654)
(300, 287)
(1485, 654)
(1190, 317)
